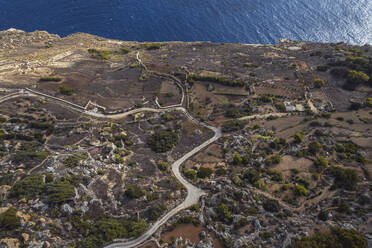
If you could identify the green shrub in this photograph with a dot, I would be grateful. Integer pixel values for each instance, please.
(321, 162)
(124, 50)
(152, 46)
(251, 175)
(266, 99)
(187, 220)
(248, 64)
(357, 77)
(163, 141)
(9, 220)
(110, 229)
(274, 159)
(237, 160)
(241, 223)
(118, 159)
(233, 111)
(233, 125)
(134, 192)
(275, 175)
(300, 190)
(337, 237)
(220, 172)
(252, 211)
(252, 74)
(298, 138)
(163, 165)
(271, 205)
(59, 192)
(319, 83)
(204, 172)
(156, 211)
(102, 232)
(100, 54)
(281, 107)
(224, 213)
(29, 187)
(21, 156)
(6, 179)
(74, 159)
(118, 139)
(314, 147)
(135, 229)
(190, 174)
(344, 178)
(223, 81)
(266, 235)
(368, 102)
(66, 91)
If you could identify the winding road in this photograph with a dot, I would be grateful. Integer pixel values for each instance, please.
(193, 193)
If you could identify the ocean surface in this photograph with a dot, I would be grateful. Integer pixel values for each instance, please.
(244, 21)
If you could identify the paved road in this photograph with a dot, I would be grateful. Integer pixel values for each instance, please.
(193, 193)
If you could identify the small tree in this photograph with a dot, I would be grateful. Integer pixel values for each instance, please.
(368, 102)
(321, 163)
(300, 190)
(271, 205)
(314, 147)
(274, 159)
(134, 192)
(204, 172)
(237, 159)
(319, 83)
(9, 220)
(298, 138)
(357, 77)
(190, 174)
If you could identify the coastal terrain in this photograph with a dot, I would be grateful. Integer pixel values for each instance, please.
(108, 143)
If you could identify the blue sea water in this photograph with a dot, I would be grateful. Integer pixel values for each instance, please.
(245, 21)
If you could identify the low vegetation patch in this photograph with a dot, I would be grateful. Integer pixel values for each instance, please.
(204, 172)
(74, 159)
(163, 141)
(218, 80)
(33, 187)
(105, 230)
(134, 192)
(233, 125)
(233, 111)
(100, 54)
(9, 220)
(337, 237)
(22, 156)
(344, 178)
(152, 46)
(66, 91)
